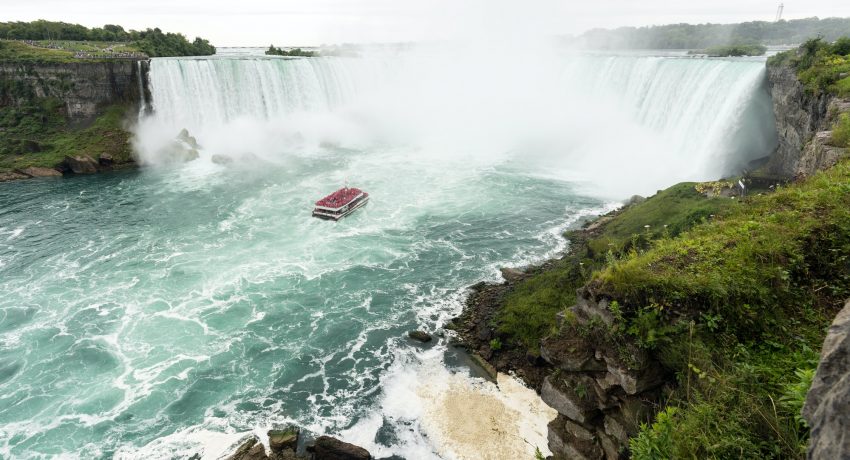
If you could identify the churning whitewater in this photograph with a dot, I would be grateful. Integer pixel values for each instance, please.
(165, 312)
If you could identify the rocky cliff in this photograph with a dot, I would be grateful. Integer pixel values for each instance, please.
(83, 87)
(827, 408)
(803, 121)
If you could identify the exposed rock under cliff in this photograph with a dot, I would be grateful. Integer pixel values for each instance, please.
(827, 407)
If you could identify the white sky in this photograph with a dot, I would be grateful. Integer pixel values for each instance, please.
(314, 22)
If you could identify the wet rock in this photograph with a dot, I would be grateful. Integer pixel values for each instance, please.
(420, 336)
(183, 149)
(286, 439)
(34, 171)
(251, 449)
(81, 164)
(328, 448)
(827, 406)
(106, 160)
(488, 369)
(189, 140)
(221, 159)
(512, 275)
(11, 175)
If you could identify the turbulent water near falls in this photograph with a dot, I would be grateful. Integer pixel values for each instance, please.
(163, 312)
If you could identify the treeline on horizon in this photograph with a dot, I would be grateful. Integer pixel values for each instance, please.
(702, 36)
(153, 42)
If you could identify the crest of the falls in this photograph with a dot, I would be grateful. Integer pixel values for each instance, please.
(621, 124)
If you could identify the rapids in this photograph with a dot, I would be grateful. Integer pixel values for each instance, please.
(162, 312)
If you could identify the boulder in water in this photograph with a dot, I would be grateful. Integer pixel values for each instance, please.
(251, 449)
(183, 149)
(106, 159)
(420, 336)
(286, 439)
(189, 140)
(81, 164)
(221, 159)
(511, 275)
(328, 448)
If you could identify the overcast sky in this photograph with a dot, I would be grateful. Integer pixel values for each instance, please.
(314, 22)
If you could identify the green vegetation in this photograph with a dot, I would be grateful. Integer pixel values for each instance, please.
(735, 50)
(272, 51)
(60, 40)
(733, 298)
(821, 66)
(19, 51)
(529, 311)
(155, 43)
(735, 307)
(702, 36)
(38, 135)
(841, 131)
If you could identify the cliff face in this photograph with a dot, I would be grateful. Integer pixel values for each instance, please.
(828, 401)
(83, 87)
(803, 122)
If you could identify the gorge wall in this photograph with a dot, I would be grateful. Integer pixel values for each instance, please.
(83, 87)
(803, 121)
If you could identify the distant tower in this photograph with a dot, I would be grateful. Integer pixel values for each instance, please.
(779, 12)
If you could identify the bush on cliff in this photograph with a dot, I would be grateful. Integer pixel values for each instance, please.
(821, 66)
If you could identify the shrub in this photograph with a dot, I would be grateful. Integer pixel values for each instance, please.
(655, 442)
(841, 131)
(496, 344)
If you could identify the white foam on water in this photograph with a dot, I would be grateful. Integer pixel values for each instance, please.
(442, 413)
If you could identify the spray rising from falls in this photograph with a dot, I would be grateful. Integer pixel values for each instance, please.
(659, 119)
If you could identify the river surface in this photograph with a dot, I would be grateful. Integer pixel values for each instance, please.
(146, 314)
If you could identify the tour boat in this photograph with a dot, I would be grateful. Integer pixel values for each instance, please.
(340, 203)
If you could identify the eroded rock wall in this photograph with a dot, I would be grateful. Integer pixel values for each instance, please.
(83, 87)
(803, 122)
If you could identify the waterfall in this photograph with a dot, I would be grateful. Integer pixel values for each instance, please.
(658, 120)
(143, 104)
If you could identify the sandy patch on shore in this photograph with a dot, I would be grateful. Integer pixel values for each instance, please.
(469, 419)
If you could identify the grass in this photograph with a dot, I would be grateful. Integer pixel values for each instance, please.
(841, 131)
(822, 67)
(13, 50)
(38, 135)
(529, 311)
(737, 306)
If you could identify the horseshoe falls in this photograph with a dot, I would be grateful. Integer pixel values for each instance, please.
(167, 311)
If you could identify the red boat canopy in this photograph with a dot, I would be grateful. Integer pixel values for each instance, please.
(339, 198)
